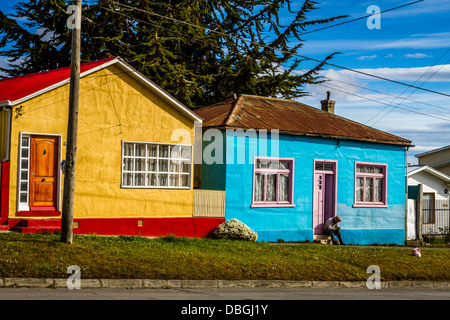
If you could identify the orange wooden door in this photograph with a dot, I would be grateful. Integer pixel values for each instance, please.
(43, 172)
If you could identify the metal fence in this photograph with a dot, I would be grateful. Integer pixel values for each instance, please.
(209, 203)
(436, 218)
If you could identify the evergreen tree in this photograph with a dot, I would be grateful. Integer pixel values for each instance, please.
(241, 47)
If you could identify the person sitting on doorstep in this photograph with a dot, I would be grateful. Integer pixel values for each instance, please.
(331, 228)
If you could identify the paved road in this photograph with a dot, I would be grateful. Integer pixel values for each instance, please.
(225, 303)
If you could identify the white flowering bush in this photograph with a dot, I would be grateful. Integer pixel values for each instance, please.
(234, 229)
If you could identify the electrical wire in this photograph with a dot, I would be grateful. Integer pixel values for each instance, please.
(360, 18)
(408, 95)
(272, 48)
(385, 93)
(407, 88)
(373, 100)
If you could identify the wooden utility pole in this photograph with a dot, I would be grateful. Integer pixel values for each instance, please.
(72, 128)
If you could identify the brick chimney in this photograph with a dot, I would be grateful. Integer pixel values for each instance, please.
(328, 105)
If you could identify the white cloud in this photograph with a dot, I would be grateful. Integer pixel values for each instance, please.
(417, 41)
(416, 55)
(367, 57)
(441, 73)
(3, 64)
(421, 8)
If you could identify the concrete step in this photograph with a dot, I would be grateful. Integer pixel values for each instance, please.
(322, 239)
(35, 229)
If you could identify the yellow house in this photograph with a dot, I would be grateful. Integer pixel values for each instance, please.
(438, 159)
(134, 167)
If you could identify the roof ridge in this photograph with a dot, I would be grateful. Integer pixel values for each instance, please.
(213, 105)
(262, 97)
(433, 151)
(237, 106)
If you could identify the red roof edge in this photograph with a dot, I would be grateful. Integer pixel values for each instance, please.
(19, 87)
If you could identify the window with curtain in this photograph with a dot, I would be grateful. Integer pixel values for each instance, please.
(156, 165)
(370, 184)
(273, 182)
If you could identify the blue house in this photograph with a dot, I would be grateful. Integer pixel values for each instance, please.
(286, 167)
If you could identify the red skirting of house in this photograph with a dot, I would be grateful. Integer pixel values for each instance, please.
(192, 227)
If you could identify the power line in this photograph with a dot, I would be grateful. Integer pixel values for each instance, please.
(360, 18)
(408, 96)
(272, 48)
(362, 97)
(387, 94)
(407, 89)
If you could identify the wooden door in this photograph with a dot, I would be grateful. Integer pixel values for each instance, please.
(43, 172)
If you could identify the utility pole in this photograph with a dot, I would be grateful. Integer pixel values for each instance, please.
(73, 23)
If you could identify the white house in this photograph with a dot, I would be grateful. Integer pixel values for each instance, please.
(435, 199)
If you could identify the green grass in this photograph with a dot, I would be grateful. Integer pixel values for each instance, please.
(44, 256)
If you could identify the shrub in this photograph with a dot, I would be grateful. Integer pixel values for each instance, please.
(234, 229)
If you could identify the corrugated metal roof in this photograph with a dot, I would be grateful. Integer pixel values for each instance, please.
(289, 117)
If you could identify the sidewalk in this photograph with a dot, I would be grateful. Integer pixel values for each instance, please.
(168, 284)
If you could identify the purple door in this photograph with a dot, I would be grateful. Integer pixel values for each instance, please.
(324, 196)
(319, 203)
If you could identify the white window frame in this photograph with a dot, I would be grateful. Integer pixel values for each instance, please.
(146, 170)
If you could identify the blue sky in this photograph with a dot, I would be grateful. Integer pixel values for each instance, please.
(412, 46)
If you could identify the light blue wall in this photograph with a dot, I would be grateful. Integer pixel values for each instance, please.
(359, 225)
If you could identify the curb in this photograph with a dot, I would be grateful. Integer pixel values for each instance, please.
(198, 284)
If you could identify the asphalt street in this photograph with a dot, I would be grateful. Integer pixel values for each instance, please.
(226, 303)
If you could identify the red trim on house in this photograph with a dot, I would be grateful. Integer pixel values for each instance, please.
(21, 86)
(39, 213)
(4, 192)
(192, 227)
(149, 227)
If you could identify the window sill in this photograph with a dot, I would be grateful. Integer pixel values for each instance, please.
(272, 205)
(156, 187)
(369, 205)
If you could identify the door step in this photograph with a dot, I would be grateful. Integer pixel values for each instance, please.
(35, 226)
(322, 239)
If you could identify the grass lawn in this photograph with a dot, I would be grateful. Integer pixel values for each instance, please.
(43, 256)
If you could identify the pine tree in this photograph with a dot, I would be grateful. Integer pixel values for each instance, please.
(224, 47)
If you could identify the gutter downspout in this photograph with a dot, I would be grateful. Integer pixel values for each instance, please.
(4, 106)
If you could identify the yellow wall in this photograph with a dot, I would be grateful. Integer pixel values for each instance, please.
(113, 108)
(437, 158)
